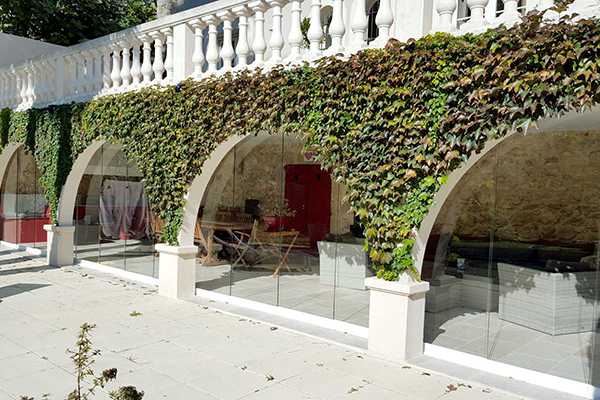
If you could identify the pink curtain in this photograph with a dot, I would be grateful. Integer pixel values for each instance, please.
(124, 212)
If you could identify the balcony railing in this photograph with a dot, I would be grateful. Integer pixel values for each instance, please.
(194, 43)
(230, 35)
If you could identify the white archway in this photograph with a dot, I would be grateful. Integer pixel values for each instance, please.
(571, 122)
(68, 195)
(198, 188)
(7, 154)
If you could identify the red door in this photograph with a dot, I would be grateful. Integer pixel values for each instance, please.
(308, 193)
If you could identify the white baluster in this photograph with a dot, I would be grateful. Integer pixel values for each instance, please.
(3, 89)
(510, 16)
(158, 66)
(75, 74)
(259, 45)
(359, 24)
(276, 40)
(295, 38)
(227, 51)
(198, 55)
(242, 49)
(30, 92)
(384, 21)
(446, 9)
(125, 65)
(136, 67)
(115, 75)
(106, 78)
(42, 81)
(68, 78)
(169, 62)
(337, 29)
(147, 59)
(315, 32)
(212, 50)
(51, 82)
(97, 71)
(477, 22)
(545, 4)
(87, 63)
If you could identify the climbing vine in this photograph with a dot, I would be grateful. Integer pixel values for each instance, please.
(390, 124)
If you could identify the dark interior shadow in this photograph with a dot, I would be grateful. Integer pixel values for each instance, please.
(18, 288)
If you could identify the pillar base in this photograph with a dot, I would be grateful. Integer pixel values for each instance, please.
(177, 271)
(396, 317)
(60, 245)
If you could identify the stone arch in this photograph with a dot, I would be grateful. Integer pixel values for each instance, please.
(7, 154)
(199, 186)
(68, 196)
(570, 122)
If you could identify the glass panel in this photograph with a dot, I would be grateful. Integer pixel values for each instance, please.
(257, 215)
(87, 211)
(9, 201)
(457, 264)
(213, 265)
(351, 261)
(545, 254)
(140, 256)
(113, 204)
(306, 281)
(32, 207)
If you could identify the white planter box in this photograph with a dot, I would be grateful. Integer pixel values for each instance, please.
(343, 264)
(549, 302)
(471, 292)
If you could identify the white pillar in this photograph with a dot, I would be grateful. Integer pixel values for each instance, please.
(146, 59)
(60, 245)
(158, 66)
(510, 16)
(106, 78)
(276, 40)
(359, 24)
(227, 51)
(183, 52)
(198, 54)
(259, 45)
(212, 49)
(477, 21)
(115, 75)
(384, 21)
(169, 64)
(243, 48)
(136, 66)
(396, 317)
(445, 10)
(125, 65)
(337, 29)
(315, 31)
(295, 37)
(177, 271)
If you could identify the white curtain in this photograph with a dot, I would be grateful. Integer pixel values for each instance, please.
(124, 210)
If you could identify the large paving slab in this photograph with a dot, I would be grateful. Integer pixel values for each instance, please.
(181, 350)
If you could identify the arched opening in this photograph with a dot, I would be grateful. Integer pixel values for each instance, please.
(274, 228)
(113, 222)
(513, 257)
(23, 207)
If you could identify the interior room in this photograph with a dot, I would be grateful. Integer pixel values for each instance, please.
(513, 257)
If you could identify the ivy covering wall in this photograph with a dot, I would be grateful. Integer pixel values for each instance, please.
(390, 124)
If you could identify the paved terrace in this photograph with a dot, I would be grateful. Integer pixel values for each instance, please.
(181, 350)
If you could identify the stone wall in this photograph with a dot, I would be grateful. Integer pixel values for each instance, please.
(540, 187)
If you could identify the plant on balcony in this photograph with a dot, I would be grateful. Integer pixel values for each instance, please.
(390, 124)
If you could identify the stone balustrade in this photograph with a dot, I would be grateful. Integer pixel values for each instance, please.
(230, 35)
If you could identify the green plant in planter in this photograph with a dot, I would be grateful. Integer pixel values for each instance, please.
(402, 263)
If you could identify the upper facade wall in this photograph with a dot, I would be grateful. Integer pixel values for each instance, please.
(227, 35)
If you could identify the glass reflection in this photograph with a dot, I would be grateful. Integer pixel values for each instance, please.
(114, 225)
(25, 210)
(536, 305)
(275, 229)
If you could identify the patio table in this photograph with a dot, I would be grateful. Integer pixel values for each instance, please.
(208, 240)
